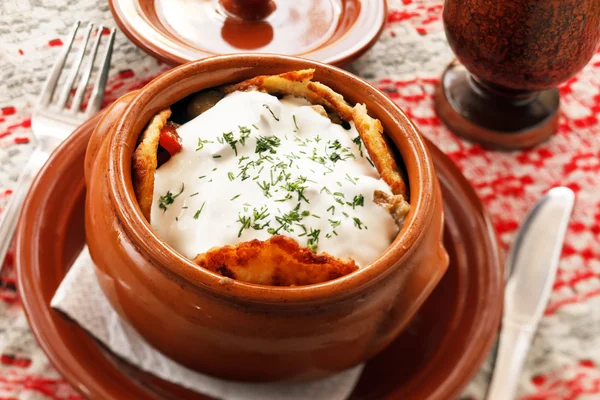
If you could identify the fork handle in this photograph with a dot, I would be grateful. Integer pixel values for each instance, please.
(10, 214)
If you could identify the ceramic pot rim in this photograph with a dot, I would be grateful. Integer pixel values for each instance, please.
(412, 149)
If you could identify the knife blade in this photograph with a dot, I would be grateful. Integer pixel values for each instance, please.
(531, 270)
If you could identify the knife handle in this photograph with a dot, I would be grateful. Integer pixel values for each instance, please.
(515, 340)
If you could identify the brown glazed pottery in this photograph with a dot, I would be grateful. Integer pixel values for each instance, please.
(432, 359)
(512, 54)
(236, 330)
(177, 31)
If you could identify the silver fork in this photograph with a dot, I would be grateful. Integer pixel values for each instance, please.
(53, 122)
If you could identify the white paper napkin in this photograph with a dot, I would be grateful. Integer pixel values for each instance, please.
(80, 297)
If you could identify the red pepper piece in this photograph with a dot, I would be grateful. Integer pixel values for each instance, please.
(169, 139)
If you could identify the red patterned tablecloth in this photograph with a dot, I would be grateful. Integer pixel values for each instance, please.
(406, 63)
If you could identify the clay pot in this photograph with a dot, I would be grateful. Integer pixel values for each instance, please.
(238, 330)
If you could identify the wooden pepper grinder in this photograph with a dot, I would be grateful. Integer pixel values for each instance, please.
(511, 54)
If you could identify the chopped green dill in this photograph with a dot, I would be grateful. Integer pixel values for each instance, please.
(199, 211)
(184, 207)
(347, 153)
(300, 141)
(313, 240)
(220, 140)
(358, 142)
(201, 143)
(370, 161)
(255, 127)
(358, 200)
(345, 214)
(304, 231)
(267, 143)
(262, 158)
(244, 171)
(286, 220)
(265, 186)
(338, 194)
(235, 197)
(336, 145)
(317, 139)
(335, 157)
(316, 158)
(195, 194)
(358, 223)
(214, 169)
(316, 216)
(334, 223)
(168, 199)
(350, 179)
(332, 208)
(271, 111)
(281, 165)
(242, 159)
(245, 221)
(244, 134)
(325, 189)
(287, 197)
(260, 215)
(298, 187)
(228, 137)
(217, 156)
(295, 124)
(230, 176)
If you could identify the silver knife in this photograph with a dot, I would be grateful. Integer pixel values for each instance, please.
(531, 267)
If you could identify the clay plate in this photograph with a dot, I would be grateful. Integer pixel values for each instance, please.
(433, 359)
(177, 31)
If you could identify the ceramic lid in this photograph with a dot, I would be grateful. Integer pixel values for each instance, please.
(177, 31)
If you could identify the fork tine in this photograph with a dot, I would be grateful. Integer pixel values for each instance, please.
(50, 85)
(85, 76)
(97, 95)
(64, 95)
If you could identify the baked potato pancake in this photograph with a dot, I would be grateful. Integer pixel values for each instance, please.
(275, 180)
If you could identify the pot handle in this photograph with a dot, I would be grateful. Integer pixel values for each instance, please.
(103, 130)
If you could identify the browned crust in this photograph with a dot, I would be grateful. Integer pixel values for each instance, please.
(396, 205)
(278, 261)
(371, 133)
(145, 162)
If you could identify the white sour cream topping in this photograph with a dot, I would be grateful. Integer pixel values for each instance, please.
(295, 173)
